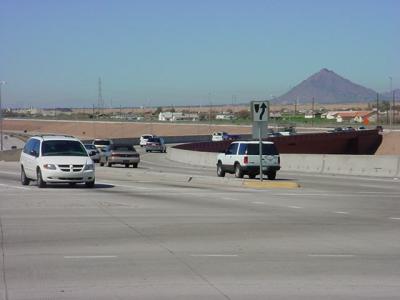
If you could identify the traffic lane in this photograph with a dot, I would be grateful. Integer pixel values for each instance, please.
(240, 245)
(337, 193)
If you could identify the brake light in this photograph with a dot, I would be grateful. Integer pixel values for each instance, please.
(246, 160)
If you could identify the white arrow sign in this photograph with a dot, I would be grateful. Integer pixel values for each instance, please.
(260, 111)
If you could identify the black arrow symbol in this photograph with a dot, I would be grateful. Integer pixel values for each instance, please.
(263, 107)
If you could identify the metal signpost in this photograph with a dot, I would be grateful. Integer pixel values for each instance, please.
(260, 115)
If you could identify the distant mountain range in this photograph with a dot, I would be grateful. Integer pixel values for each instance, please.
(328, 87)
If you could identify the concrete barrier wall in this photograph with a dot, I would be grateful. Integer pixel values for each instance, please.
(358, 165)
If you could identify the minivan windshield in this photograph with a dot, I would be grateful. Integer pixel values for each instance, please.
(63, 148)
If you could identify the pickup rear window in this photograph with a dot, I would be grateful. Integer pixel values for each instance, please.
(253, 149)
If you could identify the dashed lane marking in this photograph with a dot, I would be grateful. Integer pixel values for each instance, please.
(89, 256)
(341, 212)
(214, 255)
(14, 187)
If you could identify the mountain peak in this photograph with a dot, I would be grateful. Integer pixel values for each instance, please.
(328, 87)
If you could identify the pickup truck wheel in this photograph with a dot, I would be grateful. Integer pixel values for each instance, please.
(271, 175)
(126, 165)
(238, 171)
(134, 165)
(220, 171)
(252, 176)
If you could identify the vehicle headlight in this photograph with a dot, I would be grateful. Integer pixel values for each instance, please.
(49, 167)
(89, 167)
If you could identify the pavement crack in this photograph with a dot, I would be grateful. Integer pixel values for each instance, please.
(170, 251)
(3, 254)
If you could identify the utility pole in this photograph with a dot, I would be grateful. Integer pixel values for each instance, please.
(393, 108)
(1, 118)
(377, 109)
(391, 118)
(312, 112)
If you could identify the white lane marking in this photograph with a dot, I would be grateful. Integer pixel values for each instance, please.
(341, 212)
(14, 187)
(230, 199)
(299, 194)
(331, 255)
(89, 256)
(214, 255)
(395, 218)
(292, 206)
(125, 186)
(257, 202)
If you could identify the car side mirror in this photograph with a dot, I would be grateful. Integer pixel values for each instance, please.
(34, 153)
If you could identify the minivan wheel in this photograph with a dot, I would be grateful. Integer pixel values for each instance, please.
(238, 171)
(220, 171)
(24, 179)
(40, 182)
(271, 175)
(89, 184)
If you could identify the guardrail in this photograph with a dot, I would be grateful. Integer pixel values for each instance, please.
(358, 165)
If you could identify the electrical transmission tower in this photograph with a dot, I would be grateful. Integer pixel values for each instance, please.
(100, 102)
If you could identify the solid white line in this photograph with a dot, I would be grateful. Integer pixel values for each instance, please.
(331, 255)
(395, 218)
(214, 255)
(14, 187)
(256, 202)
(90, 256)
(341, 212)
(294, 206)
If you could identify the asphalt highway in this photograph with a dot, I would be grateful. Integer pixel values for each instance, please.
(152, 233)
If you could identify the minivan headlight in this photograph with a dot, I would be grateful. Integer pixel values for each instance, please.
(89, 167)
(49, 166)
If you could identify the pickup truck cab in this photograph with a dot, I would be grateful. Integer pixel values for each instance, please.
(242, 158)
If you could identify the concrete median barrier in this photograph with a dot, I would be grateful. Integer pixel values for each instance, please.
(357, 165)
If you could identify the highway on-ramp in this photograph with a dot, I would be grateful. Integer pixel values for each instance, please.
(157, 233)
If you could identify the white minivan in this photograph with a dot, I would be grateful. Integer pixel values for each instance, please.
(56, 159)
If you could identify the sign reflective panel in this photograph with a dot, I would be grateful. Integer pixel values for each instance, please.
(260, 111)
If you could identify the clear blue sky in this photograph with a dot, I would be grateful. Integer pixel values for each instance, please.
(167, 52)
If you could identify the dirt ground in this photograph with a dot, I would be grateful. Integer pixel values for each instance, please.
(390, 144)
(90, 130)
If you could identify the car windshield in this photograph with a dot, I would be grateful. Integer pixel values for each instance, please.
(63, 148)
(267, 149)
(123, 148)
(102, 143)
